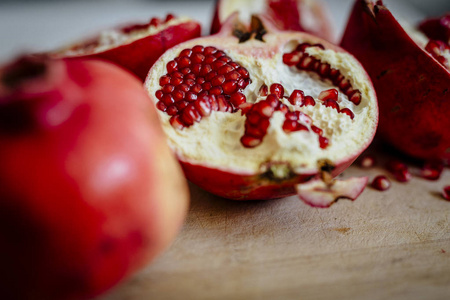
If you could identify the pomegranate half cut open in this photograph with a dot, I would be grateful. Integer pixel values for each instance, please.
(298, 15)
(136, 46)
(251, 113)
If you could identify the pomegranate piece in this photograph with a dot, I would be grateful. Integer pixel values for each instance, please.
(297, 15)
(381, 183)
(319, 194)
(273, 131)
(135, 47)
(413, 113)
(83, 203)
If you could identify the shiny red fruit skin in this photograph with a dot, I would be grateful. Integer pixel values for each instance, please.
(412, 87)
(81, 204)
(139, 56)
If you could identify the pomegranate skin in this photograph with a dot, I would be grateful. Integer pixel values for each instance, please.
(139, 55)
(287, 15)
(412, 87)
(89, 192)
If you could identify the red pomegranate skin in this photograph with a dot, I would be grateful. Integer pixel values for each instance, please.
(140, 55)
(82, 204)
(413, 89)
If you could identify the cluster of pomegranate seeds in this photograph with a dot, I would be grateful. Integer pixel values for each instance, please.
(198, 72)
(381, 183)
(330, 98)
(258, 118)
(399, 170)
(303, 61)
(436, 49)
(153, 22)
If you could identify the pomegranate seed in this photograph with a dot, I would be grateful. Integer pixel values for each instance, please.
(200, 80)
(446, 192)
(291, 59)
(263, 90)
(207, 86)
(197, 58)
(402, 175)
(225, 69)
(172, 110)
(190, 96)
(296, 98)
(217, 90)
(169, 17)
(432, 170)
(302, 47)
(183, 87)
(218, 80)
(155, 22)
(161, 106)
(305, 62)
(164, 80)
(210, 50)
(196, 88)
(245, 108)
(253, 118)
(172, 66)
(381, 183)
(331, 94)
(333, 74)
(190, 75)
(176, 81)
(184, 62)
(167, 99)
(337, 80)
(331, 103)
(237, 99)
(292, 116)
(205, 70)
(283, 108)
(308, 100)
(229, 87)
(159, 94)
(223, 104)
(182, 104)
(225, 58)
(210, 76)
(324, 70)
(190, 115)
(244, 73)
(203, 106)
(264, 108)
(319, 46)
(219, 54)
(189, 82)
(186, 53)
(348, 112)
(250, 142)
(277, 89)
(367, 161)
(323, 142)
(233, 75)
(184, 71)
(176, 122)
(303, 118)
(197, 49)
(210, 59)
(243, 83)
(344, 84)
(218, 64)
(214, 104)
(355, 97)
(317, 130)
(178, 95)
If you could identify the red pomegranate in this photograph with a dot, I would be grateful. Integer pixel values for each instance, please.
(251, 113)
(135, 47)
(411, 78)
(297, 15)
(89, 191)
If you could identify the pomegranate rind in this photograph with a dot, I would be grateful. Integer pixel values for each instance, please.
(412, 86)
(298, 15)
(317, 193)
(238, 181)
(139, 55)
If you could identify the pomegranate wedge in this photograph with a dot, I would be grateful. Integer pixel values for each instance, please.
(135, 47)
(252, 115)
(410, 77)
(298, 15)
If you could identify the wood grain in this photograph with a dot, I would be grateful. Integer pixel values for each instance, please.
(385, 245)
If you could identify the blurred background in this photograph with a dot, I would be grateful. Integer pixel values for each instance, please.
(40, 25)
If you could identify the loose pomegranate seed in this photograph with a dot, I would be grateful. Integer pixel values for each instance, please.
(399, 170)
(277, 89)
(263, 90)
(308, 100)
(331, 94)
(367, 161)
(432, 170)
(348, 112)
(323, 142)
(297, 97)
(446, 192)
(381, 183)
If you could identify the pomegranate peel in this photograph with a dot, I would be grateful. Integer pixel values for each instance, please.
(298, 15)
(263, 152)
(412, 84)
(135, 46)
(318, 193)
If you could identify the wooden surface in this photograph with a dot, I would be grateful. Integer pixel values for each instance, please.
(385, 245)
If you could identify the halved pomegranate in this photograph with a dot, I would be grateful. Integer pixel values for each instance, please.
(297, 15)
(135, 47)
(252, 118)
(411, 77)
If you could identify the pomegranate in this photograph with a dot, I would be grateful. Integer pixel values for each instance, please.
(411, 78)
(137, 46)
(89, 191)
(249, 118)
(298, 15)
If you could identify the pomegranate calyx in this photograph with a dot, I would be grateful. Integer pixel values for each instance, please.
(318, 193)
(257, 30)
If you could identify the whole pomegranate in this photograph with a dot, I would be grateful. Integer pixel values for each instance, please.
(411, 76)
(252, 112)
(89, 191)
(298, 15)
(135, 46)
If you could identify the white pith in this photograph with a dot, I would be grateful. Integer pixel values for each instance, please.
(215, 140)
(112, 38)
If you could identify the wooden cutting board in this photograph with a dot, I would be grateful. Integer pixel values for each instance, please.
(385, 245)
